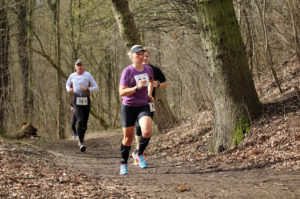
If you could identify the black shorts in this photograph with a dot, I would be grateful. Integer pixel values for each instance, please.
(129, 114)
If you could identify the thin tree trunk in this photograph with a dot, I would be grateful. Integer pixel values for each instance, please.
(115, 82)
(31, 5)
(61, 123)
(75, 37)
(4, 62)
(60, 85)
(22, 38)
(268, 53)
(249, 35)
(234, 96)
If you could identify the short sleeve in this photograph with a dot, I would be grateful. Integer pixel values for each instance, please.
(124, 81)
(160, 76)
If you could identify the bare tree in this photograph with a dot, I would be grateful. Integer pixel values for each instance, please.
(55, 7)
(31, 5)
(24, 59)
(268, 52)
(234, 96)
(4, 62)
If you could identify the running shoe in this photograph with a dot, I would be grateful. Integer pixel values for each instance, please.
(135, 160)
(142, 161)
(123, 169)
(74, 136)
(82, 148)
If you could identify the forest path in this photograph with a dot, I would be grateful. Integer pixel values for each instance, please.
(163, 179)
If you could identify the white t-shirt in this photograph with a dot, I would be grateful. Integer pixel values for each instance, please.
(76, 80)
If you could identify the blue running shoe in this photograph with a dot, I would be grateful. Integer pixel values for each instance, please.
(123, 169)
(142, 161)
(74, 136)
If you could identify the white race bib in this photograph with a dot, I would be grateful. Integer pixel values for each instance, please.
(82, 101)
(140, 77)
(152, 107)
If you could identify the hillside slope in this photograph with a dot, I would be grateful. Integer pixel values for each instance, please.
(273, 141)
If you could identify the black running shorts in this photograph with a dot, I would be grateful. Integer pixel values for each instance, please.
(130, 114)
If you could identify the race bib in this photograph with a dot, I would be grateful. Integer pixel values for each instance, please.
(82, 101)
(140, 77)
(152, 107)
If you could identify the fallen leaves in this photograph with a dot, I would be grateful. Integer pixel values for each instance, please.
(183, 188)
(24, 175)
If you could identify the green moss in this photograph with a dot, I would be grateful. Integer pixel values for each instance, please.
(241, 128)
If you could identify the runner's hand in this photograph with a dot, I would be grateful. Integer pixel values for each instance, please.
(141, 84)
(83, 88)
(155, 84)
(150, 98)
(71, 91)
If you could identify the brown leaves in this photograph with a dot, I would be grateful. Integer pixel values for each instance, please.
(25, 171)
(183, 188)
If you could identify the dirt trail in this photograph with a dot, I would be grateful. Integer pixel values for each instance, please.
(163, 179)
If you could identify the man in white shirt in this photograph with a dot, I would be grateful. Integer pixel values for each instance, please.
(80, 84)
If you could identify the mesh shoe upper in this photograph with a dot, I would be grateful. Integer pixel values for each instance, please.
(142, 161)
(123, 169)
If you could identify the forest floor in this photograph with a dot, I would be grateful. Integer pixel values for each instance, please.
(29, 171)
(265, 165)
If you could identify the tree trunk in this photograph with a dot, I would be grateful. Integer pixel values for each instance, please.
(234, 96)
(163, 116)
(31, 5)
(268, 53)
(126, 24)
(23, 53)
(115, 82)
(249, 35)
(75, 35)
(4, 62)
(61, 123)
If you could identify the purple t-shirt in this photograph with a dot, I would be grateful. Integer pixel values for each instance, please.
(130, 76)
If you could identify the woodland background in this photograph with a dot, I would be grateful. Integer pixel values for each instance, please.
(86, 29)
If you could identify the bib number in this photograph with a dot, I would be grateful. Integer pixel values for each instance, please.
(82, 101)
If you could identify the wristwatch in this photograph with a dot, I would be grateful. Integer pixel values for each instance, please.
(136, 88)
